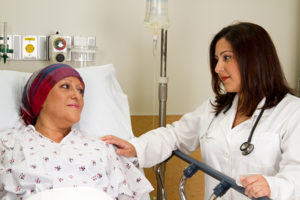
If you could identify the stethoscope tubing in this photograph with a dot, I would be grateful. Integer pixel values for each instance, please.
(246, 147)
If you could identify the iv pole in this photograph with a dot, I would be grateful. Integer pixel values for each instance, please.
(163, 86)
(157, 16)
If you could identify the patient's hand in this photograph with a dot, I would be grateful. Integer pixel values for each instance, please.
(124, 148)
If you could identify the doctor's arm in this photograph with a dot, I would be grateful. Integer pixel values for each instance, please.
(157, 145)
(154, 146)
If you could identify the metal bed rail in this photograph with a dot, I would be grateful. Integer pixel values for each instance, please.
(225, 184)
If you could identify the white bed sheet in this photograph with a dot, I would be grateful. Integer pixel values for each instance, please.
(78, 193)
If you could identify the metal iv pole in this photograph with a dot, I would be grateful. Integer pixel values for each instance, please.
(157, 17)
(163, 82)
(163, 86)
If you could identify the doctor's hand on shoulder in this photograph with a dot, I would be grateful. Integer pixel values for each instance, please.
(124, 148)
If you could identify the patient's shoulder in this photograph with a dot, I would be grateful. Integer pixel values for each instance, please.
(10, 137)
(9, 133)
(7, 138)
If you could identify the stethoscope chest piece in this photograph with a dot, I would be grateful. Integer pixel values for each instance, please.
(246, 148)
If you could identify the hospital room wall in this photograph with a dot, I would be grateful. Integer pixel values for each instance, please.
(123, 40)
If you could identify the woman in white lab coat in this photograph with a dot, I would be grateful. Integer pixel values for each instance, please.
(252, 104)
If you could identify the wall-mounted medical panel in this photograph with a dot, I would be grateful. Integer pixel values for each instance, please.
(27, 47)
(34, 47)
(59, 47)
(55, 48)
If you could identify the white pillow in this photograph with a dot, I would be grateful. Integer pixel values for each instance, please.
(11, 88)
(106, 109)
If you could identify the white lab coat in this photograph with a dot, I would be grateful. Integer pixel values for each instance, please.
(276, 141)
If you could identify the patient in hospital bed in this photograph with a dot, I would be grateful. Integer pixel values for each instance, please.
(44, 152)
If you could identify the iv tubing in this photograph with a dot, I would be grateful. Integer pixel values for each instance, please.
(155, 38)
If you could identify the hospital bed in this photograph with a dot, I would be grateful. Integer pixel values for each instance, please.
(106, 111)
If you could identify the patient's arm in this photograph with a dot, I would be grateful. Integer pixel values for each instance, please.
(124, 148)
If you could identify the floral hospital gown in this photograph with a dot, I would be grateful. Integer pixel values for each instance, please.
(31, 163)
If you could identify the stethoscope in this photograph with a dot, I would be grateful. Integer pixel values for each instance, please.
(247, 147)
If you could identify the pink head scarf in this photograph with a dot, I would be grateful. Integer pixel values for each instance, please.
(38, 87)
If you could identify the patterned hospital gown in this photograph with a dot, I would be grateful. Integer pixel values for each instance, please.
(31, 163)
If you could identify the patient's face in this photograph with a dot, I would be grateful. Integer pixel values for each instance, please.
(64, 102)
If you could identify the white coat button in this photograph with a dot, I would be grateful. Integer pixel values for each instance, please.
(226, 155)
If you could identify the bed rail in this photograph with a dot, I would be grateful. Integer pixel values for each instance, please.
(225, 184)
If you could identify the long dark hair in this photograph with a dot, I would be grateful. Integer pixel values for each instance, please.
(260, 69)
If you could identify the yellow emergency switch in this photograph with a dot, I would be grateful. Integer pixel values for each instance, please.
(29, 48)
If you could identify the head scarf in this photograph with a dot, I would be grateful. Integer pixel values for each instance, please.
(38, 87)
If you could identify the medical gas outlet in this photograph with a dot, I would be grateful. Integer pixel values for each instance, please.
(58, 48)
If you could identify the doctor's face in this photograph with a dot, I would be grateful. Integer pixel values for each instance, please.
(64, 102)
(227, 67)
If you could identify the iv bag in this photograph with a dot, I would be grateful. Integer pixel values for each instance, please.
(157, 14)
